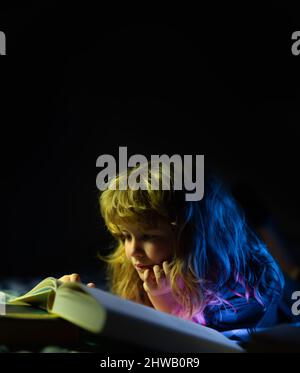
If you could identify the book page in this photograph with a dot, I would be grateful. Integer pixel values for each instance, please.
(146, 326)
(72, 303)
(39, 295)
(26, 311)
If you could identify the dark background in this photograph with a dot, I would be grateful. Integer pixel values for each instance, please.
(80, 81)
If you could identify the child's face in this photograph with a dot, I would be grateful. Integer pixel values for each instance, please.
(145, 247)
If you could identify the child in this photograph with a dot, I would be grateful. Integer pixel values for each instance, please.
(197, 260)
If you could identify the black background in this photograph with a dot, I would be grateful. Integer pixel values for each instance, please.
(79, 81)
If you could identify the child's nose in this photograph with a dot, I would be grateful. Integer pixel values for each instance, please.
(136, 248)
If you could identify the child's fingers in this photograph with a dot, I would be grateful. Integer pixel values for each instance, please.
(159, 274)
(147, 275)
(64, 278)
(74, 277)
(146, 280)
(149, 278)
(166, 267)
(70, 278)
(91, 285)
(146, 287)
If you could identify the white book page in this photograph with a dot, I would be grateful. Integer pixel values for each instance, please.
(142, 324)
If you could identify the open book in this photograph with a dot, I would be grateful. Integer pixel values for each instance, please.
(102, 314)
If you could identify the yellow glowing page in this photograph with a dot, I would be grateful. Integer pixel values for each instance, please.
(26, 311)
(39, 295)
(74, 304)
(67, 300)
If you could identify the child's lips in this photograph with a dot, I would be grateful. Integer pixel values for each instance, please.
(142, 267)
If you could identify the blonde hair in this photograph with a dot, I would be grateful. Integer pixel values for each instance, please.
(144, 207)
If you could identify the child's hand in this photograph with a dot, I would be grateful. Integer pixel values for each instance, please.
(157, 281)
(74, 277)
